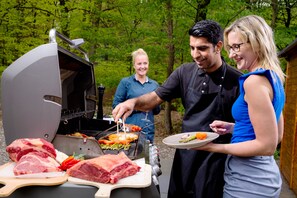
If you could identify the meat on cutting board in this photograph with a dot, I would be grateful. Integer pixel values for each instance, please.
(104, 169)
(21, 147)
(36, 162)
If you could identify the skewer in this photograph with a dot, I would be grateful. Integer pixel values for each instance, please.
(124, 129)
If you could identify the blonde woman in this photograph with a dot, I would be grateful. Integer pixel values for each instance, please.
(251, 170)
(137, 85)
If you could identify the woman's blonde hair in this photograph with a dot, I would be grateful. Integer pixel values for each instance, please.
(138, 52)
(259, 34)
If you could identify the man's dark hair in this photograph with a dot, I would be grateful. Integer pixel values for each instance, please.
(208, 29)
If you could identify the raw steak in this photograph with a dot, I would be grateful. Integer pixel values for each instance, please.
(104, 169)
(21, 147)
(36, 162)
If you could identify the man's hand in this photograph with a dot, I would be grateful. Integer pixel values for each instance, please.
(123, 110)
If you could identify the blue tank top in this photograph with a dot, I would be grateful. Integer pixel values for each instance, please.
(243, 129)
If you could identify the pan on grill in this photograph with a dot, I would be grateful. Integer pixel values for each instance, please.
(126, 139)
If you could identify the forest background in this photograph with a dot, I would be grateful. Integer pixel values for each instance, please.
(112, 29)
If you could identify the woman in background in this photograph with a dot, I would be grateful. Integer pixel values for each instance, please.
(137, 85)
(251, 170)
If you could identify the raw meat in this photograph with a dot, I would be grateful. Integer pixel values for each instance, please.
(36, 162)
(21, 147)
(104, 169)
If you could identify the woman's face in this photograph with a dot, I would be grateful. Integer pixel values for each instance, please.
(141, 65)
(241, 52)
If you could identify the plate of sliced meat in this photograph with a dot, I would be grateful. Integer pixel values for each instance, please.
(109, 172)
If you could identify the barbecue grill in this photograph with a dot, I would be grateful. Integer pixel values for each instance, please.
(50, 92)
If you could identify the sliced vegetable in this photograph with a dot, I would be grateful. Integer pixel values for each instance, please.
(188, 139)
(135, 128)
(201, 136)
(70, 161)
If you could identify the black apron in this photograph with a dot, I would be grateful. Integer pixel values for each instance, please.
(199, 174)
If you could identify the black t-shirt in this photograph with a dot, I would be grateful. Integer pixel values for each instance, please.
(205, 96)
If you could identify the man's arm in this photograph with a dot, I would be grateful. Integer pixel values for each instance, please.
(145, 102)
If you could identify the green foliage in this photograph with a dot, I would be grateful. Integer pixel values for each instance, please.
(110, 73)
(113, 29)
(277, 154)
(2, 68)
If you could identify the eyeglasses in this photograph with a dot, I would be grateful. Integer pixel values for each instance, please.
(234, 47)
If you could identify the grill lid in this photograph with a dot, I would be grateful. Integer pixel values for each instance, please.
(31, 95)
(47, 85)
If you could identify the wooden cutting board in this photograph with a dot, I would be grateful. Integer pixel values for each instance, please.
(140, 180)
(11, 184)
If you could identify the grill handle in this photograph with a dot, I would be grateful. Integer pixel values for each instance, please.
(101, 89)
(73, 43)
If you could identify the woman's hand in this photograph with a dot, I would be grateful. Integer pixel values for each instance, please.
(222, 127)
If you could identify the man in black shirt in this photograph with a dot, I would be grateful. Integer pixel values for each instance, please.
(207, 87)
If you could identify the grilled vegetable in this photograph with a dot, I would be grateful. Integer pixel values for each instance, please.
(188, 139)
(107, 142)
(132, 128)
(115, 146)
(135, 128)
(70, 161)
(201, 135)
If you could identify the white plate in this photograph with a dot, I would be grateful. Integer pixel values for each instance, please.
(173, 140)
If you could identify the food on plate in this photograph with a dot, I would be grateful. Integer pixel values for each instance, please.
(71, 161)
(36, 162)
(21, 147)
(105, 168)
(201, 136)
(187, 137)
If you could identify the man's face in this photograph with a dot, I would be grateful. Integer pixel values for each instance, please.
(207, 56)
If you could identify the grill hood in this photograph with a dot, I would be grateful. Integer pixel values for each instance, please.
(44, 87)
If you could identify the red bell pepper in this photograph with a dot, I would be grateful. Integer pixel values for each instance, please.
(70, 161)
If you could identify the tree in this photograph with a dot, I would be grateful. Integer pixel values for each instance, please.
(274, 6)
(169, 20)
(287, 7)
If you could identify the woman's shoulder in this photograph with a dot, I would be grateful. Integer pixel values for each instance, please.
(269, 74)
(127, 79)
(254, 79)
